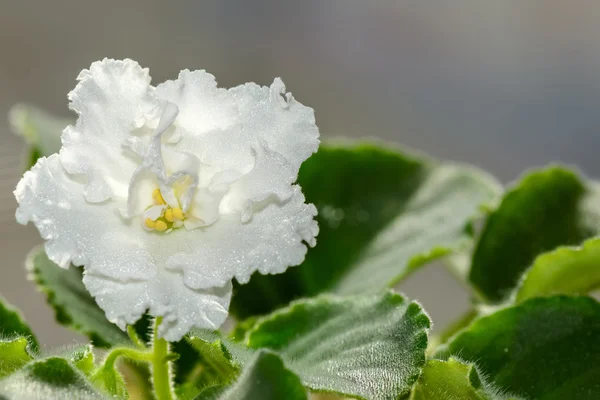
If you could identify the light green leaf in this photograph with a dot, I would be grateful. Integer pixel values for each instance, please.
(14, 354)
(265, 378)
(12, 324)
(40, 130)
(382, 214)
(566, 270)
(71, 301)
(110, 381)
(547, 209)
(453, 380)
(52, 378)
(543, 348)
(370, 346)
(211, 393)
(83, 358)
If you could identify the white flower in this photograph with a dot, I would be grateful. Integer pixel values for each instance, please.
(165, 194)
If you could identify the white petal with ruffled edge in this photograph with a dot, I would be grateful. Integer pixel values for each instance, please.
(166, 295)
(77, 231)
(273, 240)
(228, 158)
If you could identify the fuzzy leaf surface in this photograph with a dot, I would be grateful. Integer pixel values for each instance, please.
(548, 208)
(543, 348)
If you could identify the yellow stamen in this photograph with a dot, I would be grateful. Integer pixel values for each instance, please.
(149, 223)
(157, 196)
(178, 213)
(169, 215)
(161, 226)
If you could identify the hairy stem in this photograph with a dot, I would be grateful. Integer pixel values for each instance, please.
(161, 377)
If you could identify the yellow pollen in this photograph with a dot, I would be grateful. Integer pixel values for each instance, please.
(161, 226)
(177, 213)
(157, 196)
(170, 218)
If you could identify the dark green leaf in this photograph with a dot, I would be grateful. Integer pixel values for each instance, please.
(72, 303)
(266, 378)
(52, 378)
(382, 213)
(547, 209)
(566, 270)
(543, 348)
(13, 325)
(370, 346)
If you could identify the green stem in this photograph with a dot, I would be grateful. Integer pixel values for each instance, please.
(131, 354)
(134, 337)
(161, 377)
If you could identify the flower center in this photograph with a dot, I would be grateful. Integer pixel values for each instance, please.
(161, 217)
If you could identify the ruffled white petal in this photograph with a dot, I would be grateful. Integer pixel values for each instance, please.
(271, 114)
(80, 232)
(112, 98)
(209, 121)
(202, 106)
(224, 160)
(274, 239)
(166, 295)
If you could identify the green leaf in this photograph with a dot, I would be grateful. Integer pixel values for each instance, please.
(453, 379)
(211, 393)
(240, 330)
(83, 358)
(214, 367)
(382, 214)
(52, 378)
(266, 378)
(13, 355)
(547, 209)
(543, 348)
(110, 381)
(40, 130)
(566, 270)
(345, 344)
(12, 324)
(74, 306)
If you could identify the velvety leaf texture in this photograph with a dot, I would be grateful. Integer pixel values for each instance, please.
(566, 270)
(382, 213)
(12, 324)
(52, 378)
(543, 348)
(266, 378)
(547, 209)
(370, 346)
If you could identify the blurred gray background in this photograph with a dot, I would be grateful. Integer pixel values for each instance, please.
(505, 85)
